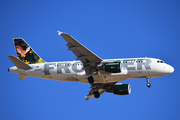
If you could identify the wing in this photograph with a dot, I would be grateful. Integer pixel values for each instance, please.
(88, 58)
(101, 87)
(90, 62)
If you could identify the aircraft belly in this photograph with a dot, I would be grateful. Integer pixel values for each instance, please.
(107, 78)
(61, 77)
(102, 77)
(64, 77)
(52, 75)
(83, 78)
(141, 73)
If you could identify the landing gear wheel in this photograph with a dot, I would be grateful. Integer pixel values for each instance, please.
(148, 85)
(91, 80)
(96, 94)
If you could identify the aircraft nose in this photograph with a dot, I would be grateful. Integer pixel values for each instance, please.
(171, 69)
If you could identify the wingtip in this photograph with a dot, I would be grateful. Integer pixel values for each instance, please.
(9, 55)
(59, 32)
(86, 98)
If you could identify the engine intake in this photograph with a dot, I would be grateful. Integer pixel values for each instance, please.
(120, 89)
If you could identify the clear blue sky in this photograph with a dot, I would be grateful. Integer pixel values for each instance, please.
(111, 29)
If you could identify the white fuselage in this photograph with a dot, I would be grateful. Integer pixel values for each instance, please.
(73, 70)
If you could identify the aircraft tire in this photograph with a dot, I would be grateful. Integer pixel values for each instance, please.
(96, 94)
(148, 85)
(91, 80)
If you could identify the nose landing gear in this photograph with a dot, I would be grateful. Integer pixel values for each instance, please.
(148, 84)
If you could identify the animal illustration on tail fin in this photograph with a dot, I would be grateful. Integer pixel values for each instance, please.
(21, 52)
(25, 52)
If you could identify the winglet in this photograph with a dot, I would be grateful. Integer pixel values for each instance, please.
(59, 33)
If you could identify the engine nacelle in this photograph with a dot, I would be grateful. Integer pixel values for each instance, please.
(112, 67)
(120, 89)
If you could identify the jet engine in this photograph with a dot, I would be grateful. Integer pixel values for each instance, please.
(120, 89)
(112, 67)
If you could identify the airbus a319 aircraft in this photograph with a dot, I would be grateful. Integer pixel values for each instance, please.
(101, 74)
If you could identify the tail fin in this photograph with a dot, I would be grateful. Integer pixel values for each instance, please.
(25, 52)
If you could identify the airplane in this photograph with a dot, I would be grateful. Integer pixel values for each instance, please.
(102, 74)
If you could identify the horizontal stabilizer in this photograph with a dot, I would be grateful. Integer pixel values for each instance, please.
(18, 63)
(22, 76)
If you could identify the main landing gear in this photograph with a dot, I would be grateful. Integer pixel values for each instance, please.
(90, 79)
(96, 94)
(148, 84)
(95, 90)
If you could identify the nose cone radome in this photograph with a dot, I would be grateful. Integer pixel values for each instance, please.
(171, 69)
(165, 69)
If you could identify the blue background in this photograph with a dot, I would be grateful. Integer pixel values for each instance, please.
(110, 29)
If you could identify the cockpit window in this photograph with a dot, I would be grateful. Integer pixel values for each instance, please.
(160, 61)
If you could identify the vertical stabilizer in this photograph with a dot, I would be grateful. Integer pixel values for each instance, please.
(25, 52)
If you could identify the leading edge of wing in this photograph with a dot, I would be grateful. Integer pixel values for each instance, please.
(82, 53)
